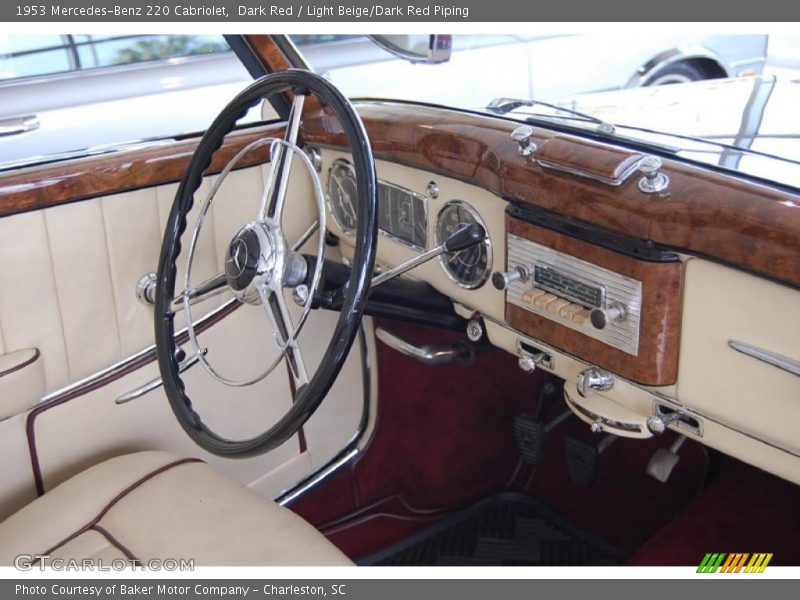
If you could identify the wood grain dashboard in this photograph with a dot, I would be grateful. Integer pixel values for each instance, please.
(656, 361)
(39, 187)
(703, 212)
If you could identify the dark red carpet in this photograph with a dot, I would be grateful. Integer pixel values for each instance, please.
(444, 440)
(743, 510)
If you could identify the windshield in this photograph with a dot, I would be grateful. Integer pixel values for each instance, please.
(722, 100)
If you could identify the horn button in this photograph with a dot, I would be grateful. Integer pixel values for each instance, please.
(251, 260)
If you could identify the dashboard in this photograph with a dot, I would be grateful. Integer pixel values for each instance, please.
(403, 217)
(645, 336)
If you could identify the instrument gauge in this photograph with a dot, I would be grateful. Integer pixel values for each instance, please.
(343, 195)
(469, 268)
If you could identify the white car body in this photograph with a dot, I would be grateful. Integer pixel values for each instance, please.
(41, 116)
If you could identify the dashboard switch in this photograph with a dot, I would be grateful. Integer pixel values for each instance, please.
(502, 280)
(593, 380)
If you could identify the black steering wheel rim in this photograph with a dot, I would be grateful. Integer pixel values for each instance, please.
(308, 397)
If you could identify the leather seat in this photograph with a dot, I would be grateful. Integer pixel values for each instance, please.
(153, 505)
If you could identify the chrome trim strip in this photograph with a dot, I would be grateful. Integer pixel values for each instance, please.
(125, 362)
(351, 449)
(586, 175)
(605, 421)
(771, 358)
(288, 496)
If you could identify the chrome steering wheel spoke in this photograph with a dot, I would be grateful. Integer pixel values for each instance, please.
(274, 197)
(260, 263)
(285, 332)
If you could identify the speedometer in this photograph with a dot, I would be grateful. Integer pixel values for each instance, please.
(469, 268)
(343, 195)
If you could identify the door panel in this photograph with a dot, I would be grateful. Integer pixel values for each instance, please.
(67, 287)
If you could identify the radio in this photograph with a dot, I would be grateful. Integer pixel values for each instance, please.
(599, 303)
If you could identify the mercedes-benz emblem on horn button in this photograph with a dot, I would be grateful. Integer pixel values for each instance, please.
(237, 258)
(241, 261)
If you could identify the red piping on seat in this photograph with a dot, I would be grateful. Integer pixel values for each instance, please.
(93, 524)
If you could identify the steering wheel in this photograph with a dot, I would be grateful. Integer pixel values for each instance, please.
(260, 262)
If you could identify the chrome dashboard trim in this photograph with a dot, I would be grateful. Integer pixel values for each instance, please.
(390, 235)
(381, 182)
(487, 242)
(624, 176)
(771, 358)
(616, 287)
(328, 205)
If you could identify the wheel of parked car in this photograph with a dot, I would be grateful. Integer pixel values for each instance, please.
(260, 263)
(682, 72)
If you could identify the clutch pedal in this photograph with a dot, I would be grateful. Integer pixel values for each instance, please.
(530, 432)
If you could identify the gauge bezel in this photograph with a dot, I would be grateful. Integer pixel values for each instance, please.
(487, 244)
(329, 204)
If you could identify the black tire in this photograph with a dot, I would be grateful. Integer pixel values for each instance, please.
(683, 72)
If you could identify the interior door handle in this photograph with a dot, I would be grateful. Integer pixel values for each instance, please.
(18, 125)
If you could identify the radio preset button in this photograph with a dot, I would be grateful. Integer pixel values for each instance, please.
(581, 317)
(556, 305)
(569, 310)
(532, 295)
(545, 299)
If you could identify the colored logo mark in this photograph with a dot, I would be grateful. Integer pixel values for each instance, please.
(735, 562)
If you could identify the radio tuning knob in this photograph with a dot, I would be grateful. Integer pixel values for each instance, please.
(615, 312)
(502, 280)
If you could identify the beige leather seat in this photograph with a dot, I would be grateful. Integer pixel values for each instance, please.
(153, 505)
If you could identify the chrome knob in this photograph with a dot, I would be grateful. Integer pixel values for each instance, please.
(474, 330)
(601, 316)
(522, 135)
(529, 362)
(657, 423)
(597, 426)
(146, 289)
(502, 280)
(654, 180)
(594, 379)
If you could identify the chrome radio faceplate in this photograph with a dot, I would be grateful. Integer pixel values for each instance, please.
(566, 289)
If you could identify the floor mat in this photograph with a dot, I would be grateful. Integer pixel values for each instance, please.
(506, 529)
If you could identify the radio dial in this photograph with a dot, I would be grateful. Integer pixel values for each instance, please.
(615, 312)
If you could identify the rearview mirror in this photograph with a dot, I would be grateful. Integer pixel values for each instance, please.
(428, 49)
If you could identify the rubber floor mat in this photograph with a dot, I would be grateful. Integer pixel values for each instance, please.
(506, 529)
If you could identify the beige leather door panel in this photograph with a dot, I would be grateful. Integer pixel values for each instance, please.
(67, 288)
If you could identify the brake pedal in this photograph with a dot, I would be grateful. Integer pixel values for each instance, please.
(530, 434)
(583, 458)
(664, 461)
